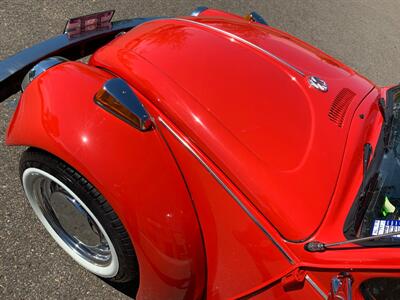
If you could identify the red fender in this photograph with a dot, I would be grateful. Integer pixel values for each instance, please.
(134, 171)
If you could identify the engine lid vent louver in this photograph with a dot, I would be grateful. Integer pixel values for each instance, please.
(340, 105)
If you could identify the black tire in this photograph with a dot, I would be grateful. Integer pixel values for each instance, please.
(95, 202)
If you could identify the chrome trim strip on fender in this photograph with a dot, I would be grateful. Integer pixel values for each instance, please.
(246, 42)
(237, 200)
(316, 287)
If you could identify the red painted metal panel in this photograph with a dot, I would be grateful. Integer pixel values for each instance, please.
(134, 170)
(256, 118)
(239, 255)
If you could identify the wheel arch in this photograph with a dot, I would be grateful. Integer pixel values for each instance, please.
(133, 170)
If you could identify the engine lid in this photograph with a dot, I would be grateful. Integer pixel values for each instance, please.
(243, 94)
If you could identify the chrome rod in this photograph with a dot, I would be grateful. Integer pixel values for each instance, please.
(316, 246)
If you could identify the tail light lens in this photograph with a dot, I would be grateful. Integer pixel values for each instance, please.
(119, 99)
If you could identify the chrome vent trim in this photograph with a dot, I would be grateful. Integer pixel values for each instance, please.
(340, 105)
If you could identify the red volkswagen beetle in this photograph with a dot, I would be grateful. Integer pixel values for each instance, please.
(210, 156)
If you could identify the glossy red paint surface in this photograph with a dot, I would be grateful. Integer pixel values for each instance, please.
(277, 291)
(349, 181)
(57, 113)
(256, 118)
(235, 247)
(243, 167)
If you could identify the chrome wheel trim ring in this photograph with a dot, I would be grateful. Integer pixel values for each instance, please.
(109, 266)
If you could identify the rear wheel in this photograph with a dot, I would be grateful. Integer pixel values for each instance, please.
(78, 217)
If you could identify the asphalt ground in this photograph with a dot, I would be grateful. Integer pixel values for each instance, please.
(364, 34)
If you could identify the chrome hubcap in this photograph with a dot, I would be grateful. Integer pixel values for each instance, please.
(70, 220)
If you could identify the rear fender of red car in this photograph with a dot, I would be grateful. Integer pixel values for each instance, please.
(134, 170)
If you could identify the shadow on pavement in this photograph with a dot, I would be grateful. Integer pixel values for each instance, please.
(129, 289)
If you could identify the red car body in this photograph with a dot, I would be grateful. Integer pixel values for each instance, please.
(246, 163)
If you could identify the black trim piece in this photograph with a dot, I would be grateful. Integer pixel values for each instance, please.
(14, 68)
